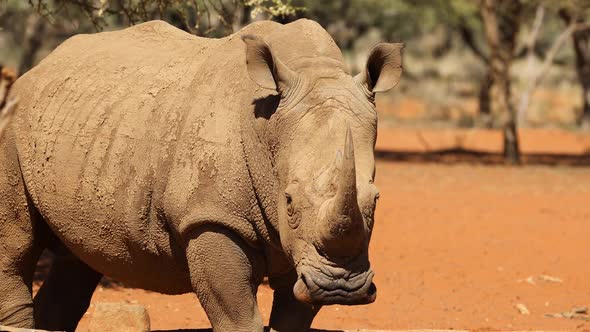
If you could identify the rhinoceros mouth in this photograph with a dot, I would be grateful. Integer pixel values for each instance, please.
(316, 287)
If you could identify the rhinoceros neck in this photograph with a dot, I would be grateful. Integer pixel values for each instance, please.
(263, 178)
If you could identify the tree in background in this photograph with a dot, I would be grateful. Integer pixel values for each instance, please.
(570, 14)
(501, 20)
(34, 34)
(26, 30)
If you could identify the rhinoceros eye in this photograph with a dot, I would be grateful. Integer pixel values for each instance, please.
(289, 201)
(293, 220)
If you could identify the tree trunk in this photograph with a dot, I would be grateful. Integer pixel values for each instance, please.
(484, 99)
(501, 20)
(486, 83)
(32, 42)
(581, 43)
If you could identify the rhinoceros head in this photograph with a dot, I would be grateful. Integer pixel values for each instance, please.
(323, 139)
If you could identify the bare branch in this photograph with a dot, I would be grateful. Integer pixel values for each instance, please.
(532, 38)
(469, 39)
(535, 78)
(559, 41)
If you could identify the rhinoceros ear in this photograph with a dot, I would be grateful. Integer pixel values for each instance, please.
(265, 69)
(384, 67)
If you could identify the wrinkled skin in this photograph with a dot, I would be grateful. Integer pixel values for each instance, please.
(181, 164)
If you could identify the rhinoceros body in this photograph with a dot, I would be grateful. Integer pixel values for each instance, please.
(131, 139)
(148, 155)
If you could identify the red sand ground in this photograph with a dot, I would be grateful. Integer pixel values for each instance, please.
(451, 249)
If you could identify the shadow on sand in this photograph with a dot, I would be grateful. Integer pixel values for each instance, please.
(454, 156)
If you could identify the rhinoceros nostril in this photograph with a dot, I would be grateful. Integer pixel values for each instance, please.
(371, 293)
(372, 289)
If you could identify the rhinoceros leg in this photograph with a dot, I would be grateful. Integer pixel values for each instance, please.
(19, 240)
(17, 266)
(65, 294)
(225, 274)
(288, 314)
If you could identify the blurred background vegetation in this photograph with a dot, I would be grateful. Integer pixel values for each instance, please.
(468, 63)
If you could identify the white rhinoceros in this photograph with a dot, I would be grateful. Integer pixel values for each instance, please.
(182, 164)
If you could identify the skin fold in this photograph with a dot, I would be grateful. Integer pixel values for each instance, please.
(165, 160)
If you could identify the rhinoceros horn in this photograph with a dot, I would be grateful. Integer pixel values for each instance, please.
(342, 225)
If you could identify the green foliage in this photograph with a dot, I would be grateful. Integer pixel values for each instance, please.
(272, 8)
(201, 17)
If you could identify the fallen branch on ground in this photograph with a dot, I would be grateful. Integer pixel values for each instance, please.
(575, 313)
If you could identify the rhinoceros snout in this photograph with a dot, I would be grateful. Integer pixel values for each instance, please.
(313, 288)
